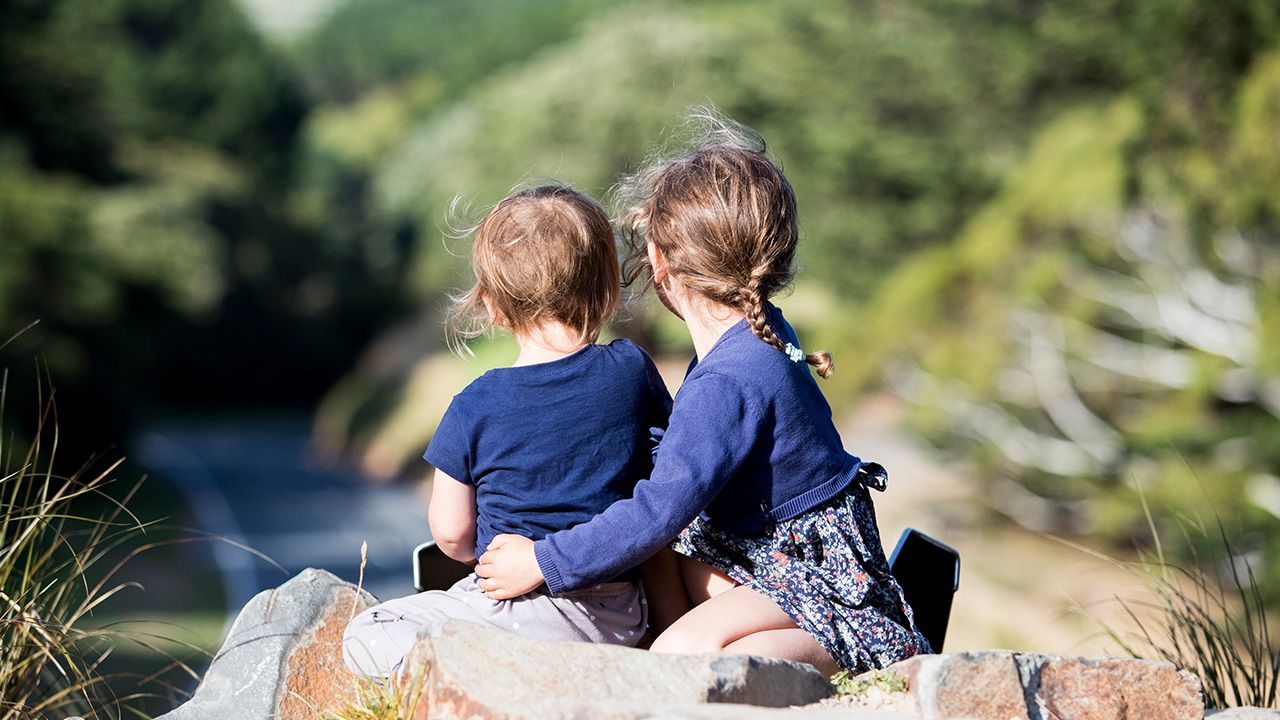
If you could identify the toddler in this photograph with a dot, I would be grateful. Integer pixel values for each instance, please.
(540, 446)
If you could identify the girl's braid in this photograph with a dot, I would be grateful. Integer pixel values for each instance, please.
(753, 300)
(753, 304)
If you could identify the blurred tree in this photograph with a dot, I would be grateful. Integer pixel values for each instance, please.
(1056, 221)
(147, 153)
(1108, 319)
(375, 43)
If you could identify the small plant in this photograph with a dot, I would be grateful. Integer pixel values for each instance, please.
(1219, 630)
(849, 684)
(396, 698)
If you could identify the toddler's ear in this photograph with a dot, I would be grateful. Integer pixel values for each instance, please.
(495, 317)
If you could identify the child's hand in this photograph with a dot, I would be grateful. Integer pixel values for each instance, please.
(508, 568)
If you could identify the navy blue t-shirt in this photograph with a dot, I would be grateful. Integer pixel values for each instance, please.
(551, 445)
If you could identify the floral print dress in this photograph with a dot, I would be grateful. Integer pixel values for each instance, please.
(826, 569)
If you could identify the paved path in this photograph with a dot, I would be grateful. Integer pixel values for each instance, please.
(256, 484)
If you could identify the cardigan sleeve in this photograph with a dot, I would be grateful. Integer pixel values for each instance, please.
(713, 426)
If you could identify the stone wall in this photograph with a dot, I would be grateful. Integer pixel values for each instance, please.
(282, 659)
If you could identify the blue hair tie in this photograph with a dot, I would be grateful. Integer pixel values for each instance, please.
(793, 352)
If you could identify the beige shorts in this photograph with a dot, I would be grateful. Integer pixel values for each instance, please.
(377, 640)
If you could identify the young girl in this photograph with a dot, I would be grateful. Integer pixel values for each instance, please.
(779, 553)
(540, 446)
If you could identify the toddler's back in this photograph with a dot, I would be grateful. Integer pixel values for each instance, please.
(549, 446)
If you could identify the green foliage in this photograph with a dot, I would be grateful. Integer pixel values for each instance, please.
(149, 216)
(595, 106)
(1106, 313)
(372, 43)
(965, 172)
(395, 699)
(1010, 210)
(848, 684)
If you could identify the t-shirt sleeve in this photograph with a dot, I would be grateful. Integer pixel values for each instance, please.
(713, 426)
(450, 449)
(658, 404)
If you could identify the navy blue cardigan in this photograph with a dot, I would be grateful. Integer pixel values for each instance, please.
(750, 441)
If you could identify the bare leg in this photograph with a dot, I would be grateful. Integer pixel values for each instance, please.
(742, 620)
(701, 581)
(673, 583)
(791, 644)
(664, 588)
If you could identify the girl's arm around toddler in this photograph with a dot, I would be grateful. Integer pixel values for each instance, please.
(704, 446)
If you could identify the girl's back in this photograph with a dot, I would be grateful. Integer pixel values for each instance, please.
(791, 452)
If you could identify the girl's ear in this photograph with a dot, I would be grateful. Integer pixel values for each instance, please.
(658, 262)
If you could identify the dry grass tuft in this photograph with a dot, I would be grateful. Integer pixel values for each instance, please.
(57, 566)
(397, 698)
(1217, 628)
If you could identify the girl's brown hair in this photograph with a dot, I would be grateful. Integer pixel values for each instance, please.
(724, 217)
(542, 254)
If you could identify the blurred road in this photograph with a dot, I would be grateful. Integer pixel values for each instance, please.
(256, 484)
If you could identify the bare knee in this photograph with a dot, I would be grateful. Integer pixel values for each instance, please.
(678, 640)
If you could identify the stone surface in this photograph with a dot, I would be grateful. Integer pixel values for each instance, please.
(728, 711)
(282, 657)
(479, 672)
(977, 685)
(1004, 685)
(1080, 689)
(878, 699)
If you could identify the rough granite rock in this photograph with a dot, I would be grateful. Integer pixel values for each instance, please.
(282, 659)
(878, 699)
(283, 654)
(729, 711)
(966, 685)
(1004, 685)
(1106, 688)
(479, 672)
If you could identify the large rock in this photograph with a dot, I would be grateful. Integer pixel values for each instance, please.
(725, 711)
(282, 657)
(1102, 689)
(1003, 685)
(966, 685)
(478, 672)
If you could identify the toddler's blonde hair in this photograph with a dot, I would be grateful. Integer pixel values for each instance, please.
(541, 254)
(724, 216)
